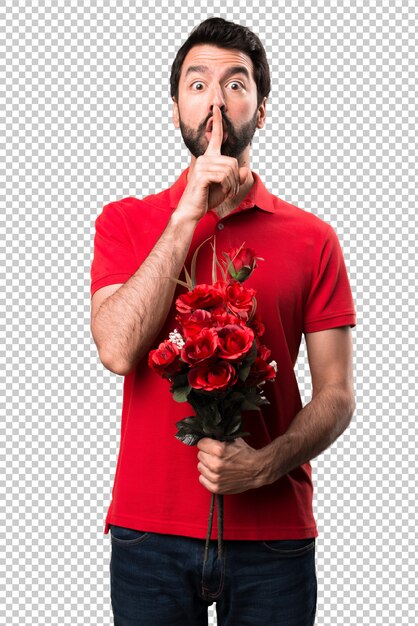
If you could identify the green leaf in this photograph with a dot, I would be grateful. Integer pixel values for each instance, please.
(190, 430)
(247, 362)
(223, 274)
(194, 261)
(253, 400)
(214, 274)
(247, 405)
(244, 371)
(180, 393)
(244, 273)
(188, 279)
(188, 438)
(179, 380)
(193, 422)
(229, 266)
(253, 311)
(234, 436)
(234, 425)
(179, 282)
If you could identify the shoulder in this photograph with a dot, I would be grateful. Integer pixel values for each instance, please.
(300, 221)
(130, 208)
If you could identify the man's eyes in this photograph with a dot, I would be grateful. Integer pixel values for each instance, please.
(234, 82)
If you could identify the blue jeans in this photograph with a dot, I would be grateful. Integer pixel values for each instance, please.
(161, 580)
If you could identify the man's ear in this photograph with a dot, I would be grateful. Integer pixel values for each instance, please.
(261, 118)
(176, 114)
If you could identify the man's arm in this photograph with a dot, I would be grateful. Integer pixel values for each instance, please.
(329, 412)
(126, 319)
(125, 323)
(235, 467)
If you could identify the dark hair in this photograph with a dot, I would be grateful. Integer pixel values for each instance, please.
(218, 32)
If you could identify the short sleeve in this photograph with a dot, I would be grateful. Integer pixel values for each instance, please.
(330, 301)
(113, 258)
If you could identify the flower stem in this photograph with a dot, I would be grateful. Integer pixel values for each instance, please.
(220, 503)
(212, 505)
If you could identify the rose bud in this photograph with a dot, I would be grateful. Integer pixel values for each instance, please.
(263, 352)
(260, 372)
(242, 262)
(257, 325)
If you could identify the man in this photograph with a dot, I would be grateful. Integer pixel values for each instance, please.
(158, 516)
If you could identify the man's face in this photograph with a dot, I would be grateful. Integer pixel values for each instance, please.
(209, 76)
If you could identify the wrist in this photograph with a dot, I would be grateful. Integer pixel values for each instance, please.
(182, 219)
(268, 464)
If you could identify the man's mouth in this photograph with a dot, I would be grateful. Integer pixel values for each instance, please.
(224, 138)
(208, 132)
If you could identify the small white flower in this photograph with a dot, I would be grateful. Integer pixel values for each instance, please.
(273, 365)
(176, 338)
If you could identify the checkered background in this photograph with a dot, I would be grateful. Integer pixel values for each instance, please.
(86, 119)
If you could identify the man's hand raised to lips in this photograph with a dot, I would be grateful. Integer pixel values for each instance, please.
(215, 177)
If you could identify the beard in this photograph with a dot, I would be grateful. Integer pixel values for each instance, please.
(236, 142)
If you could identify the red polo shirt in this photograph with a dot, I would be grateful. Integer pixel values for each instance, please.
(302, 286)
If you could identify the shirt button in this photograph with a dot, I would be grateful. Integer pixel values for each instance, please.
(221, 226)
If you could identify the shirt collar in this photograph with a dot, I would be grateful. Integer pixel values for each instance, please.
(258, 195)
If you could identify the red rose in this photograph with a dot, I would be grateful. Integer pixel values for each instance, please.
(235, 341)
(201, 297)
(240, 300)
(263, 352)
(193, 323)
(218, 375)
(260, 372)
(221, 317)
(257, 325)
(200, 347)
(242, 263)
(165, 360)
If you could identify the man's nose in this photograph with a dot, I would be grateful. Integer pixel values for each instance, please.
(217, 97)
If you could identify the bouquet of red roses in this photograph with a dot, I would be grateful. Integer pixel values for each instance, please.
(215, 359)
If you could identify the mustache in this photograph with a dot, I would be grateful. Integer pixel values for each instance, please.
(225, 122)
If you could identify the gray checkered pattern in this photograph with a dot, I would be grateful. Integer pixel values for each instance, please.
(86, 119)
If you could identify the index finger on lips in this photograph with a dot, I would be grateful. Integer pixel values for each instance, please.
(215, 142)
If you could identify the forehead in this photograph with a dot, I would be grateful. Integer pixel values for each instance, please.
(215, 59)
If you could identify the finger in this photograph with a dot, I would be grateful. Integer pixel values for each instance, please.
(215, 142)
(243, 174)
(238, 179)
(204, 443)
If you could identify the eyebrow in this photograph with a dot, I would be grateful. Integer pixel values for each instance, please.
(203, 69)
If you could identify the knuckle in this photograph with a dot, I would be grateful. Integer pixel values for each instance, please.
(216, 466)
